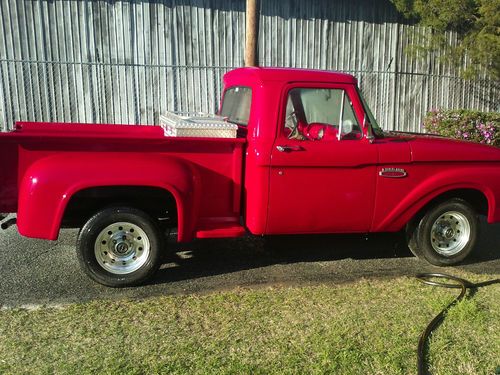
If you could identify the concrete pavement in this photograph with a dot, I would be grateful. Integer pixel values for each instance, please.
(36, 272)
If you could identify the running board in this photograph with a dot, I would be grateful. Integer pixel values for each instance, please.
(223, 230)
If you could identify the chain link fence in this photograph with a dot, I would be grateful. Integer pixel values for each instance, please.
(104, 61)
(138, 94)
(104, 93)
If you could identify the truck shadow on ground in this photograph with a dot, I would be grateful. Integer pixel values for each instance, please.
(375, 255)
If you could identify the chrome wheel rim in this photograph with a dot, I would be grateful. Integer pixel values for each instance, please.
(450, 233)
(122, 248)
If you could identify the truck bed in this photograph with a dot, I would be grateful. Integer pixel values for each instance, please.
(218, 161)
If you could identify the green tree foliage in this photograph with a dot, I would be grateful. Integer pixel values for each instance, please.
(476, 22)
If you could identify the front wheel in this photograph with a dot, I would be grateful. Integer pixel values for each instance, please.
(120, 247)
(446, 234)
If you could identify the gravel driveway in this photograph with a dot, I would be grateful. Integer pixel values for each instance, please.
(35, 272)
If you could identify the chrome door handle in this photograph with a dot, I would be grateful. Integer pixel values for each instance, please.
(281, 148)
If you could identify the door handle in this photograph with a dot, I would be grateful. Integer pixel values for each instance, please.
(284, 148)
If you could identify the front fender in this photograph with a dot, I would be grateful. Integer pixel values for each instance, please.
(485, 179)
(48, 184)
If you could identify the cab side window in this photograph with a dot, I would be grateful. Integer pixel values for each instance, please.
(320, 114)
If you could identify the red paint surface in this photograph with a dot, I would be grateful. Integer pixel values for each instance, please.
(326, 186)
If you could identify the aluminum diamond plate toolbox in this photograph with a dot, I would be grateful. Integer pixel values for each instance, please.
(197, 125)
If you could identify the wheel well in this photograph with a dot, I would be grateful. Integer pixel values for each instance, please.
(156, 202)
(474, 197)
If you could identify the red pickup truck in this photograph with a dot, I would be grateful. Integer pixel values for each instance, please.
(309, 157)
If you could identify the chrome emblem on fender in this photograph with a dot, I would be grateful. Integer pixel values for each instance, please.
(393, 173)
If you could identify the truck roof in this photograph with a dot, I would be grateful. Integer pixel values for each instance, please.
(263, 74)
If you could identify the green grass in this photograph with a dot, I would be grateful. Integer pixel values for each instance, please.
(367, 327)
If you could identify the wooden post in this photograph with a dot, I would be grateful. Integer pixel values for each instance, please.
(252, 33)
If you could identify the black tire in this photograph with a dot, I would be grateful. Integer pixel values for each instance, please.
(120, 247)
(446, 234)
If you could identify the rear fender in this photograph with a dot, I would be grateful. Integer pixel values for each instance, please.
(49, 183)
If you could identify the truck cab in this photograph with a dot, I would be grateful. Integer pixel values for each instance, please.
(310, 154)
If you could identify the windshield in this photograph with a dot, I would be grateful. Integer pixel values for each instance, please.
(236, 105)
(377, 130)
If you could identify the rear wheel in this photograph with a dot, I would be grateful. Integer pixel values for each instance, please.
(120, 247)
(446, 234)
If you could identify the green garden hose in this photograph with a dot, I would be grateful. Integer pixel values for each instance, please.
(458, 283)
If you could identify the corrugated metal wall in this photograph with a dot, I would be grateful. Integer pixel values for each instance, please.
(127, 61)
(369, 40)
(115, 61)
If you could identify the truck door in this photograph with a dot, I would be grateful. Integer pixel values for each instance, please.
(323, 169)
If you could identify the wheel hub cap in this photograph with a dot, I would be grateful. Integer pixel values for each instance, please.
(450, 233)
(122, 248)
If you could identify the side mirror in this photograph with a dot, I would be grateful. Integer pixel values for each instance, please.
(369, 131)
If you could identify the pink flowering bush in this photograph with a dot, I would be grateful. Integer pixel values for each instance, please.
(475, 126)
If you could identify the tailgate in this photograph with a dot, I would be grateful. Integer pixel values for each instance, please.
(8, 173)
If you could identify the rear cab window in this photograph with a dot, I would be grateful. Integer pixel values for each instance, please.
(236, 105)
